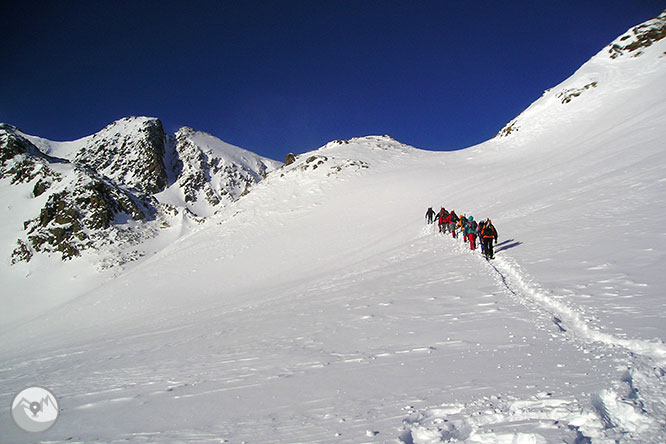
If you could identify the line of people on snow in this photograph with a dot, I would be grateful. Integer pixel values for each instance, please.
(450, 222)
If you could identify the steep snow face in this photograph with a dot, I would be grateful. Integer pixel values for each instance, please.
(320, 307)
(208, 173)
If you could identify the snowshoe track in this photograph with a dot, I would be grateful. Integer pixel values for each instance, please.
(633, 410)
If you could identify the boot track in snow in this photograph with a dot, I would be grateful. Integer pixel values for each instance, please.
(632, 411)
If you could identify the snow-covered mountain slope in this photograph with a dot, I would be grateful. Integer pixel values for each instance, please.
(625, 65)
(106, 199)
(320, 308)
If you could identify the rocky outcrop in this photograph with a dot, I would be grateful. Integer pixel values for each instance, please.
(639, 37)
(22, 162)
(80, 205)
(568, 94)
(289, 159)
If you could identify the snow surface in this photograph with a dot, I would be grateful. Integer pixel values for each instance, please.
(320, 308)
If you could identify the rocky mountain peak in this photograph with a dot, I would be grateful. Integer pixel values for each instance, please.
(130, 151)
(208, 172)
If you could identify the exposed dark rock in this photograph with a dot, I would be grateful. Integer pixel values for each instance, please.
(68, 216)
(508, 129)
(11, 146)
(568, 94)
(289, 159)
(22, 253)
(641, 36)
(40, 187)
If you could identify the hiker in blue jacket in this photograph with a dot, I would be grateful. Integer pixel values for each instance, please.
(470, 232)
(479, 230)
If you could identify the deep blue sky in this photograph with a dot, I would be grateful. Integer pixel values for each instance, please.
(281, 76)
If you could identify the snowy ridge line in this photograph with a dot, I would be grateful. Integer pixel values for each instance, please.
(517, 283)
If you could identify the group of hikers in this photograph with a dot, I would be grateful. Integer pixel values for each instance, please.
(450, 222)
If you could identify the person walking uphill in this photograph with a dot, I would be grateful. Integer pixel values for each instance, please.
(479, 232)
(452, 220)
(470, 232)
(430, 215)
(462, 227)
(441, 217)
(488, 235)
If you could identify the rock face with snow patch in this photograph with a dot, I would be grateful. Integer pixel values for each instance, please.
(129, 152)
(79, 204)
(639, 37)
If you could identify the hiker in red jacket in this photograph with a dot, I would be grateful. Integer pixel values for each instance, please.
(452, 220)
(441, 217)
(470, 232)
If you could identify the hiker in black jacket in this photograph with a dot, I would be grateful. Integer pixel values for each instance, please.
(488, 236)
(430, 215)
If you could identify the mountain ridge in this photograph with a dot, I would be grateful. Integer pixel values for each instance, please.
(639, 52)
(96, 183)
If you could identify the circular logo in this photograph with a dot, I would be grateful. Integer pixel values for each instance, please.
(35, 409)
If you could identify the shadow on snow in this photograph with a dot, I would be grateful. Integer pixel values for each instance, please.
(507, 244)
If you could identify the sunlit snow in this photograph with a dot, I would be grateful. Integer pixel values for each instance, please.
(320, 308)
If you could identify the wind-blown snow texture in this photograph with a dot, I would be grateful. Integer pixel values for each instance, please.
(320, 308)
